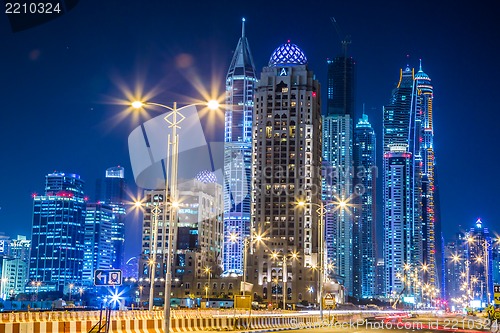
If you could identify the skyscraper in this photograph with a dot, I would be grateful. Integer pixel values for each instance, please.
(14, 277)
(240, 85)
(398, 217)
(58, 232)
(285, 167)
(402, 176)
(455, 254)
(365, 189)
(338, 167)
(426, 137)
(479, 256)
(115, 198)
(341, 85)
(99, 251)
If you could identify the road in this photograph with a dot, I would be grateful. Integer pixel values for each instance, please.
(457, 324)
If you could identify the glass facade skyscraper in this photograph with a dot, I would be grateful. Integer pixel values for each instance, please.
(402, 209)
(338, 175)
(408, 121)
(115, 198)
(365, 189)
(341, 86)
(58, 232)
(99, 254)
(479, 257)
(398, 218)
(240, 84)
(430, 240)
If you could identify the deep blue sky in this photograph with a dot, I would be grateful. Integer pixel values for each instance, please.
(57, 82)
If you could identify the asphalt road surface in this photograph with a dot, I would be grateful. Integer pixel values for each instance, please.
(459, 324)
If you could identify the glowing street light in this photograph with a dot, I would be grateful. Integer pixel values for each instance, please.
(207, 271)
(71, 285)
(173, 119)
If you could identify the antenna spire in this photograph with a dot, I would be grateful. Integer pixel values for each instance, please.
(420, 65)
(243, 27)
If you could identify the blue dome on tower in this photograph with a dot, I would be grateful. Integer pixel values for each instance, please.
(287, 54)
(206, 177)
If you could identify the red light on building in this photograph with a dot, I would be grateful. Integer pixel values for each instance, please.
(314, 94)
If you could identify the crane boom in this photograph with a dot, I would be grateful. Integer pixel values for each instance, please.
(345, 41)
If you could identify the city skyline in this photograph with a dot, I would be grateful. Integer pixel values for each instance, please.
(79, 99)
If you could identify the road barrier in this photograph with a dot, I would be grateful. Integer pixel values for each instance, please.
(140, 321)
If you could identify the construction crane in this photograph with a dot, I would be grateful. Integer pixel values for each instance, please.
(345, 41)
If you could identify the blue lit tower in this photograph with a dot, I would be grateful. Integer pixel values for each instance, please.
(285, 166)
(398, 217)
(428, 185)
(479, 256)
(99, 251)
(58, 232)
(365, 188)
(240, 83)
(337, 161)
(115, 198)
(402, 162)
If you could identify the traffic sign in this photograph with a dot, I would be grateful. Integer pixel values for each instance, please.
(329, 299)
(107, 277)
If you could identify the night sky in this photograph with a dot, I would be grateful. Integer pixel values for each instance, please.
(60, 83)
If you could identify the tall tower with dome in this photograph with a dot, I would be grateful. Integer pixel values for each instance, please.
(286, 169)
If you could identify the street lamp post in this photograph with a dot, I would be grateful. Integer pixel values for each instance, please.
(153, 251)
(285, 279)
(247, 245)
(321, 237)
(207, 271)
(176, 119)
(284, 273)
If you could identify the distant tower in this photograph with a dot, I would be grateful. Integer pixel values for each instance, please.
(115, 198)
(365, 188)
(240, 85)
(479, 255)
(58, 232)
(99, 251)
(285, 165)
(455, 258)
(338, 165)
